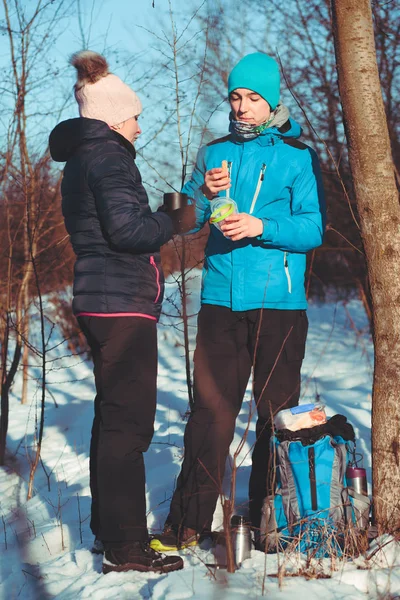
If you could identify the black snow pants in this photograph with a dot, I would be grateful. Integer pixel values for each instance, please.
(124, 351)
(228, 345)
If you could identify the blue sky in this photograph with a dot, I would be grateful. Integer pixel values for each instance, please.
(128, 32)
(131, 34)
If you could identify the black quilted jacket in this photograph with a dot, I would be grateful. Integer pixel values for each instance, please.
(114, 234)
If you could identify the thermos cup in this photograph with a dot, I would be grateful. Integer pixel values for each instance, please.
(175, 200)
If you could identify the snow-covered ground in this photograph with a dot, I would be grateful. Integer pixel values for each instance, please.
(45, 542)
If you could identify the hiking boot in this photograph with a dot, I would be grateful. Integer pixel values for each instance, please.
(174, 538)
(98, 547)
(138, 556)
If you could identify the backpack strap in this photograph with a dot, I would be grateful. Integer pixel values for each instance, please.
(288, 485)
(339, 497)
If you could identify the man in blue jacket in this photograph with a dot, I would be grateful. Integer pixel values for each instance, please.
(253, 313)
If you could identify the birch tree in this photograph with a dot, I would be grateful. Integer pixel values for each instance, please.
(378, 205)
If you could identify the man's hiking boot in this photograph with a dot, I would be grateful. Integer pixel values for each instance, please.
(174, 538)
(138, 556)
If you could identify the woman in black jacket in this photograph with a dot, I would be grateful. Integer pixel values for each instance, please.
(118, 290)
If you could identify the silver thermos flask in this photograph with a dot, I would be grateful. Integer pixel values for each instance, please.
(356, 478)
(241, 539)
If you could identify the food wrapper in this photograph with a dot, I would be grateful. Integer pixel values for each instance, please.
(300, 417)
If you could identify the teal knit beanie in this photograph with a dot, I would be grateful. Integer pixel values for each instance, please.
(257, 72)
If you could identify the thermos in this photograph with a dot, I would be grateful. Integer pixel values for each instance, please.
(241, 539)
(357, 480)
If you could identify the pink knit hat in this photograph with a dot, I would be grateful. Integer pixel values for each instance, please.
(100, 94)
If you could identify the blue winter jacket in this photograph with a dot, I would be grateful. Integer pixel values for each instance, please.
(277, 179)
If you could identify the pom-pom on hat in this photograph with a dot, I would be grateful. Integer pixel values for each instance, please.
(100, 94)
(257, 72)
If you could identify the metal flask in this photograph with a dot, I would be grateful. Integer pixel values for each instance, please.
(241, 539)
(356, 478)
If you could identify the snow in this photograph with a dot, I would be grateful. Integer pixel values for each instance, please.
(45, 542)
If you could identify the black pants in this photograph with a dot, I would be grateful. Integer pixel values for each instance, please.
(228, 345)
(124, 353)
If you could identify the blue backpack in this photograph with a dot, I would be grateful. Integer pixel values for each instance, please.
(312, 506)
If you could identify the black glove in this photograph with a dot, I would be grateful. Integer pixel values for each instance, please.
(183, 219)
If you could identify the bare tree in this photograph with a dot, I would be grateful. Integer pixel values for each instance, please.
(178, 137)
(379, 211)
(27, 193)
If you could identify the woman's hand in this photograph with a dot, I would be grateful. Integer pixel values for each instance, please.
(237, 227)
(215, 180)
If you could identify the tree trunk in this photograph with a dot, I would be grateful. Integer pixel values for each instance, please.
(379, 209)
(25, 372)
(25, 354)
(7, 378)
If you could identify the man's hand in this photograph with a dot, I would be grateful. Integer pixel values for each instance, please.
(237, 227)
(215, 180)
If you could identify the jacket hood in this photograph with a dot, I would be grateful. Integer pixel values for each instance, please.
(289, 129)
(68, 136)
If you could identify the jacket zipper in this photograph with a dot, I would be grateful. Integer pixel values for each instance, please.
(153, 263)
(287, 272)
(313, 481)
(259, 184)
